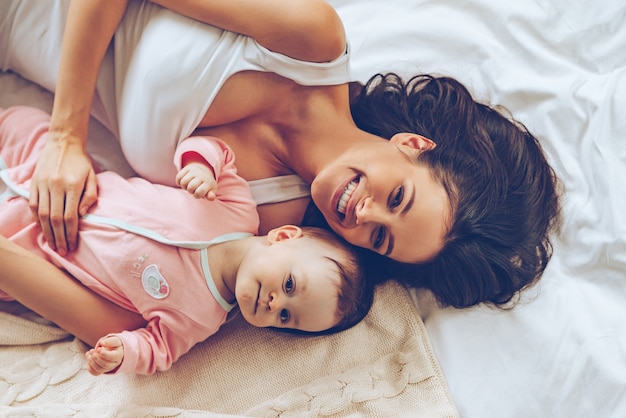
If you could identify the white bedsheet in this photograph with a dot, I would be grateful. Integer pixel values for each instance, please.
(560, 67)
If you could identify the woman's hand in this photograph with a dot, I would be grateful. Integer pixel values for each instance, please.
(63, 187)
(106, 356)
(64, 182)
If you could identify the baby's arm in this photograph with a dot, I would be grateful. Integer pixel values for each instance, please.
(106, 356)
(197, 176)
(200, 161)
(168, 335)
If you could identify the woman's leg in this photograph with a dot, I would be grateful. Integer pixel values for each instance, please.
(53, 294)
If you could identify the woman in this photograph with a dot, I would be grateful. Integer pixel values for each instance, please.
(460, 198)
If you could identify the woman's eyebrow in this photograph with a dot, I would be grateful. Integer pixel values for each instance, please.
(409, 204)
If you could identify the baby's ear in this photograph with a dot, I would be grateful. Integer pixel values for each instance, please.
(415, 141)
(284, 232)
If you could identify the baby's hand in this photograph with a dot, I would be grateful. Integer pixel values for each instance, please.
(198, 179)
(106, 356)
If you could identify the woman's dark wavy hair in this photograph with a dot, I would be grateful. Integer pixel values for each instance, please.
(502, 191)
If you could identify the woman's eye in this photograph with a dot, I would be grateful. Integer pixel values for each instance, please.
(397, 198)
(284, 316)
(379, 237)
(290, 285)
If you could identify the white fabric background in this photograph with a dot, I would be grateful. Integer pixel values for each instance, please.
(560, 67)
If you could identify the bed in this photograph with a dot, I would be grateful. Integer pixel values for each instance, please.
(560, 68)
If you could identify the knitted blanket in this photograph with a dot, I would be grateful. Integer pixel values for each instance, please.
(382, 367)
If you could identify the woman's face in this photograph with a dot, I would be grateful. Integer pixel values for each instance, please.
(378, 198)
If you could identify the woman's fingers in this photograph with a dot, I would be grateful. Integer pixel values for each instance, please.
(63, 183)
(56, 210)
(39, 203)
(65, 227)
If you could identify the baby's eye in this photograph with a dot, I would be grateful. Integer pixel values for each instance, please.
(290, 285)
(284, 316)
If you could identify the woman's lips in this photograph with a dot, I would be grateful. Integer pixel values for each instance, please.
(345, 196)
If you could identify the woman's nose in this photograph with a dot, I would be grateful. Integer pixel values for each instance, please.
(367, 211)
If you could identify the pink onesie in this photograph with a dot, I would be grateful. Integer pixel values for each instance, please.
(142, 246)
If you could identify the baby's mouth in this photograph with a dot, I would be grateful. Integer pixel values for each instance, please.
(256, 302)
(342, 204)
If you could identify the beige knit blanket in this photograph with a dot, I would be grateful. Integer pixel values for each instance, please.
(383, 367)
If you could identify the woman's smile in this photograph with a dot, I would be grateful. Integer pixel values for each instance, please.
(378, 197)
(344, 197)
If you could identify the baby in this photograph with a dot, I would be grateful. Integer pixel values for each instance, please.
(181, 261)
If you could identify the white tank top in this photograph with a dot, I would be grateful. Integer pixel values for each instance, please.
(279, 189)
(165, 70)
(168, 70)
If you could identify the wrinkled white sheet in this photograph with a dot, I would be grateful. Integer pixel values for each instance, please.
(560, 68)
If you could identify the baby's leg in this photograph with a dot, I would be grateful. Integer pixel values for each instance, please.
(56, 296)
(22, 136)
(27, 276)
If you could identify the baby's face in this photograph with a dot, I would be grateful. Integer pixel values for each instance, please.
(293, 284)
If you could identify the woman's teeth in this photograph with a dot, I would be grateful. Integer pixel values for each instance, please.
(345, 196)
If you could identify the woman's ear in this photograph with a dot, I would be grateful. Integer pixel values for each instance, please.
(415, 141)
(284, 232)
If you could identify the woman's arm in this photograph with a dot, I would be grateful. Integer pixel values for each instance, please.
(53, 294)
(64, 183)
(308, 30)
